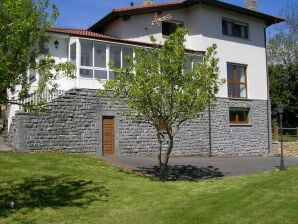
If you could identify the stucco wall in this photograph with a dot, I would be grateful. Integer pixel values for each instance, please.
(72, 123)
(204, 24)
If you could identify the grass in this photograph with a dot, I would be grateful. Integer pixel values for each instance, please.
(65, 188)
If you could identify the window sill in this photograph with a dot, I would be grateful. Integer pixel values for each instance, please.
(235, 98)
(240, 125)
(238, 38)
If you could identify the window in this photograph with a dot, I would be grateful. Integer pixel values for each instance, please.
(100, 55)
(169, 27)
(115, 55)
(236, 81)
(239, 115)
(32, 75)
(95, 58)
(235, 29)
(100, 61)
(126, 52)
(86, 53)
(190, 60)
(73, 54)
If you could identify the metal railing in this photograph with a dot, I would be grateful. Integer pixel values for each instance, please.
(46, 96)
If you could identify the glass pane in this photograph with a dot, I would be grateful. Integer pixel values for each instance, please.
(196, 59)
(242, 116)
(111, 75)
(115, 57)
(73, 54)
(100, 74)
(232, 115)
(126, 51)
(86, 73)
(230, 72)
(229, 28)
(241, 73)
(244, 32)
(242, 91)
(100, 55)
(231, 90)
(237, 30)
(237, 91)
(224, 27)
(168, 28)
(32, 75)
(187, 61)
(86, 53)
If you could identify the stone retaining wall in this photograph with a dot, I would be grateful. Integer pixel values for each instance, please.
(73, 123)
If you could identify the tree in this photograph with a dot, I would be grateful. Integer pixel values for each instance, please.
(282, 47)
(284, 89)
(161, 92)
(23, 37)
(283, 65)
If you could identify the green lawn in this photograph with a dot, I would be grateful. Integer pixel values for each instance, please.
(65, 188)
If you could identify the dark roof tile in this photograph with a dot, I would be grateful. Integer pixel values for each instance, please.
(81, 33)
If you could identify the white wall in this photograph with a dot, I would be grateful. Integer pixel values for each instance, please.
(60, 55)
(206, 29)
(204, 24)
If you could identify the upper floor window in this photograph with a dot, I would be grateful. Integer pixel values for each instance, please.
(236, 29)
(237, 81)
(169, 27)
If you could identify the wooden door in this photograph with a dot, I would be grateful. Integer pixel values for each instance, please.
(108, 136)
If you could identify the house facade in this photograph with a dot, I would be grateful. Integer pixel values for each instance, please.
(79, 120)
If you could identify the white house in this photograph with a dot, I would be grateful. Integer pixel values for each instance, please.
(81, 121)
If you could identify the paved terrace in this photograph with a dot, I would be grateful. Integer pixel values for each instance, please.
(195, 167)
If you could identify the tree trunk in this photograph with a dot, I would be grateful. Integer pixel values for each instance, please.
(163, 159)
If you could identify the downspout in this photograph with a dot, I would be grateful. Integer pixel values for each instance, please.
(210, 136)
(268, 98)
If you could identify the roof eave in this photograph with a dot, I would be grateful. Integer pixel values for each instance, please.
(117, 14)
(114, 40)
(269, 20)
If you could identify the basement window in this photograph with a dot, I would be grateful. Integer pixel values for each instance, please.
(239, 115)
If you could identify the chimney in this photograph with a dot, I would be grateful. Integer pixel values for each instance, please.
(147, 2)
(252, 4)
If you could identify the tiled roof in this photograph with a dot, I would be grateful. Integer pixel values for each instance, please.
(81, 33)
(158, 7)
(99, 36)
(154, 5)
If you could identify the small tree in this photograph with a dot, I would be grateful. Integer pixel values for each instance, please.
(23, 37)
(160, 91)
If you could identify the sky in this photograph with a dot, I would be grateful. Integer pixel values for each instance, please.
(84, 13)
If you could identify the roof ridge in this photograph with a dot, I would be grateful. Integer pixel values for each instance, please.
(147, 6)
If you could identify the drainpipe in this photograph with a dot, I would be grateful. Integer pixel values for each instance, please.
(210, 136)
(268, 98)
